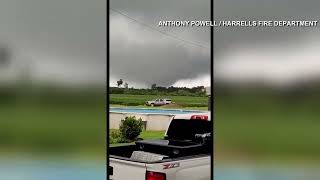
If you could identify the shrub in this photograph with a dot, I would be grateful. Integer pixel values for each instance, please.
(114, 137)
(130, 128)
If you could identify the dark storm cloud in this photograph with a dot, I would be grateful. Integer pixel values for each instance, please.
(143, 56)
(62, 39)
(250, 10)
(274, 55)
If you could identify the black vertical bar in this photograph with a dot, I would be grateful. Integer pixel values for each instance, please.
(107, 88)
(212, 83)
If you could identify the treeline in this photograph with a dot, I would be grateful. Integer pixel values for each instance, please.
(162, 91)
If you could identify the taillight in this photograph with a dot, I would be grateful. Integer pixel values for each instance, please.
(155, 176)
(199, 117)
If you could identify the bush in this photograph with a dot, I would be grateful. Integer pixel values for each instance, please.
(130, 129)
(114, 137)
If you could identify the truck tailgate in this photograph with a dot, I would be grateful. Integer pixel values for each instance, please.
(125, 170)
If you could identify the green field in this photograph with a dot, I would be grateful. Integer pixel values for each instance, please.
(53, 123)
(267, 127)
(51, 128)
(138, 100)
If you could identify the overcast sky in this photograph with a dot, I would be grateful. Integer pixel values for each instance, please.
(141, 56)
(61, 41)
(274, 56)
(65, 41)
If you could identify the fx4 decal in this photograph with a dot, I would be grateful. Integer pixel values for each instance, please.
(171, 165)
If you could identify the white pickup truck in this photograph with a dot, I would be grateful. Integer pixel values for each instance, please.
(158, 102)
(183, 154)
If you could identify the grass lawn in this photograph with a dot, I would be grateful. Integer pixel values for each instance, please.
(52, 128)
(267, 127)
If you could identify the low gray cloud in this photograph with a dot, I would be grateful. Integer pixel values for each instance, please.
(244, 54)
(64, 40)
(143, 56)
(61, 40)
